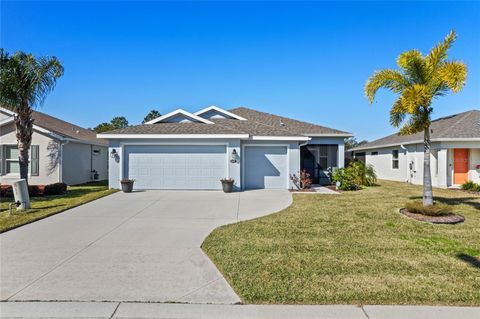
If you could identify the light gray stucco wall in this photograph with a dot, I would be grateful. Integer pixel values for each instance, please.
(78, 161)
(49, 168)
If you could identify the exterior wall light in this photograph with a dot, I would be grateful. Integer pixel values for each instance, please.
(233, 156)
(113, 153)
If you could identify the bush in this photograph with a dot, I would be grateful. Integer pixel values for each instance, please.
(430, 210)
(354, 176)
(34, 190)
(471, 186)
(6, 191)
(55, 189)
(303, 181)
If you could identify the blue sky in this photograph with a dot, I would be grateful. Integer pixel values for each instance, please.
(307, 61)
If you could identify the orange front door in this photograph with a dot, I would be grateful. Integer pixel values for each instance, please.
(460, 165)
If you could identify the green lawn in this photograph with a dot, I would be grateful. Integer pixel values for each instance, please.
(46, 206)
(353, 248)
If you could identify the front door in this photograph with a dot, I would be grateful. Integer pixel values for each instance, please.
(460, 165)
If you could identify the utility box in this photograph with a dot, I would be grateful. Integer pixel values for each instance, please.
(20, 192)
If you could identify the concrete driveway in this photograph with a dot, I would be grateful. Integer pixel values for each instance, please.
(143, 246)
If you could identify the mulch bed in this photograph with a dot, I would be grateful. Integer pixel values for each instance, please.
(446, 219)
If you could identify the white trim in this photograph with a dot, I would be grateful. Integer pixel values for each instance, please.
(220, 110)
(165, 136)
(84, 142)
(6, 121)
(453, 139)
(123, 144)
(280, 138)
(328, 134)
(243, 157)
(9, 112)
(177, 112)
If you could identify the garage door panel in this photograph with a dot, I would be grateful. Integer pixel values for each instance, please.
(265, 167)
(176, 167)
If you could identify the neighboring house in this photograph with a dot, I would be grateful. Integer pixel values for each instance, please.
(455, 152)
(60, 151)
(182, 150)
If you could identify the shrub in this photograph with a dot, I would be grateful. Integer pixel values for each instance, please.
(471, 186)
(55, 189)
(6, 191)
(34, 190)
(430, 210)
(303, 181)
(355, 175)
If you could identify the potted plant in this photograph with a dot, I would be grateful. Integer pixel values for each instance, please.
(227, 184)
(127, 185)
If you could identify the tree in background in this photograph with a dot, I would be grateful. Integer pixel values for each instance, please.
(25, 82)
(116, 123)
(352, 142)
(419, 80)
(153, 114)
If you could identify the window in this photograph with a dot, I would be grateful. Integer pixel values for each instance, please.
(395, 159)
(374, 153)
(11, 164)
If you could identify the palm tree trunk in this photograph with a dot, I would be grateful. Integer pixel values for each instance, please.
(427, 174)
(24, 131)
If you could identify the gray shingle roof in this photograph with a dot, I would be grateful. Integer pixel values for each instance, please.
(293, 126)
(462, 125)
(257, 123)
(176, 128)
(65, 129)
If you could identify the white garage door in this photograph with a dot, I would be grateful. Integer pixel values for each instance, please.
(265, 167)
(176, 166)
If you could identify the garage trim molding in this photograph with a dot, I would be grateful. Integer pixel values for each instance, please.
(263, 145)
(123, 144)
(176, 136)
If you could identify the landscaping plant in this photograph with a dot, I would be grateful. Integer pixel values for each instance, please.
(303, 181)
(471, 186)
(354, 176)
(25, 82)
(438, 209)
(419, 80)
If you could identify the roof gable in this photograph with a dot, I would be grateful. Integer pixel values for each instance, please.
(179, 116)
(214, 112)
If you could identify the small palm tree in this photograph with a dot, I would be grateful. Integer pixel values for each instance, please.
(25, 82)
(419, 80)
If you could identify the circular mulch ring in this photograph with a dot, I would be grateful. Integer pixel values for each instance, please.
(446, 219)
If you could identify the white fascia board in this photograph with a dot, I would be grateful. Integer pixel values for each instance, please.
(453, 139)
(280, 138)
(6, 121)
(173, 136)
(220, 110)
(72, 140)
(177, 112)
(9, 112)
(329, 134)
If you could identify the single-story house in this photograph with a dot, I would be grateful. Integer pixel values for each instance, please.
(60, 152)
(455, 152)
(183, 150)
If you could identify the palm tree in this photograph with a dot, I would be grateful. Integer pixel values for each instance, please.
(25, 82)
(419, 80)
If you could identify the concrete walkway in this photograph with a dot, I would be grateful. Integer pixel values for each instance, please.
(141, 247)
(191, 311)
